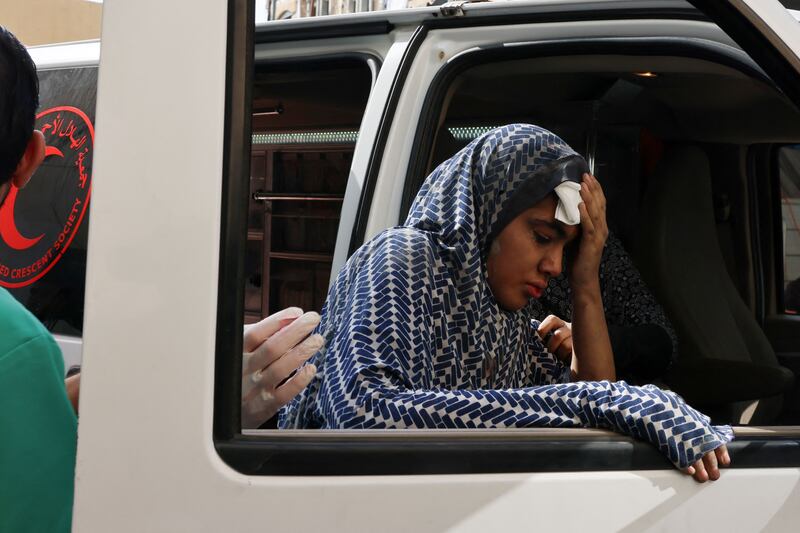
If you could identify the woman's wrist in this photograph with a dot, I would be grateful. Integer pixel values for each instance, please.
(587, 291)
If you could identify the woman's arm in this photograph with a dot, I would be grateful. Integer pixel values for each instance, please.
(592, 359)
(377, 395)
(382, 368)
(590, 338)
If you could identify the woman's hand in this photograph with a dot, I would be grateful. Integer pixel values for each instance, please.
(274, 348)
(559, 343)
(585, 267)
(708, 467)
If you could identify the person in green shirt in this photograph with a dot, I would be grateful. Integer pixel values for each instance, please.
(38, 425)
(38, 408)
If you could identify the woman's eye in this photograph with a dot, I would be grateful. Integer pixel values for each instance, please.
(541, 239)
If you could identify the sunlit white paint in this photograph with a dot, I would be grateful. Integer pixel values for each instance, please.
(71, 350)
(77, 54)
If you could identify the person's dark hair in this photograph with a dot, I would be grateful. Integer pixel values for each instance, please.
(19, 99)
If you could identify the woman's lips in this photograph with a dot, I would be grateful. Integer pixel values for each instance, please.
(534, 291)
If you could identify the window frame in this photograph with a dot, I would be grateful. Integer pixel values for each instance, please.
(408, 452)
(779, 248)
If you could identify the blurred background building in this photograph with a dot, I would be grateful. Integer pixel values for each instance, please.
(37, 22)
(283, 9)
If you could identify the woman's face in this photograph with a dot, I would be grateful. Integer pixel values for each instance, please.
(526, 254)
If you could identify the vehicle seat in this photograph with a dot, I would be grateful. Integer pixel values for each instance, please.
(725, 361)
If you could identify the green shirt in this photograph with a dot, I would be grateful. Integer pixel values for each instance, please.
(38, 428)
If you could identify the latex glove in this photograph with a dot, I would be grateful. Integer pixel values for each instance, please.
(273, 349)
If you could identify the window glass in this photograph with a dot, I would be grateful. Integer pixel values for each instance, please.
(43, 227)
(789, 160)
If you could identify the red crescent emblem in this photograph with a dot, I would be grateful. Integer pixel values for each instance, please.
(8, 227)
(69, 135)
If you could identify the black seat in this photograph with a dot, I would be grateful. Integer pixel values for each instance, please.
(724, 357)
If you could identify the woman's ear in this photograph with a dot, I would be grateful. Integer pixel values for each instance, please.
(32, 157)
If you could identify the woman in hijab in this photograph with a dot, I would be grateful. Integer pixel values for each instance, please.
(428, 324)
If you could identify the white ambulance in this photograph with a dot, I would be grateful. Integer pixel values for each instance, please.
(235, 168)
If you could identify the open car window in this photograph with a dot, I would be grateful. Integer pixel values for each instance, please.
(625, 102)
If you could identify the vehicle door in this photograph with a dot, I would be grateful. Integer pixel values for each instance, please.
(160, 444)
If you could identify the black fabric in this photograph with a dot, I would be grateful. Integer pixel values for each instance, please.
(642, 352)
(643, 339)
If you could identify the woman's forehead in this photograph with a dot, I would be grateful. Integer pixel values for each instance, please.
(544, 214)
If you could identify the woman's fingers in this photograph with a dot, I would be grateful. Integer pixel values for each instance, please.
(594, 228)
(595, 200)
(707, 468)
(712, 468)
(556, 334)
(550, 323)
(595, 191)
(284, 340)
(561, 344)
(723, 457)
(255, 334)
(700, 473)
(592, 208)
(587, 224)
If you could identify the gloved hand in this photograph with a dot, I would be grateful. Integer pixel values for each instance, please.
(274, 349)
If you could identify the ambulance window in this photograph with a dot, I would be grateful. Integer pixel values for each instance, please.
(43, 227)
(280, 175)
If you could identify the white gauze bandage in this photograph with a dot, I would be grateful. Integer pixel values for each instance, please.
(569, 196)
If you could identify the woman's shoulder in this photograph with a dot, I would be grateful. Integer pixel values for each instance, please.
(401, 240)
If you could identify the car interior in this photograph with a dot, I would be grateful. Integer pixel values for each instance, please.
(672, 140)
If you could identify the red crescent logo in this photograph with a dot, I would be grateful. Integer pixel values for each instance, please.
(8, 227)
(69, 135)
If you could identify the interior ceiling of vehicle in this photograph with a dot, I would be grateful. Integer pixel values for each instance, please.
(687, 99)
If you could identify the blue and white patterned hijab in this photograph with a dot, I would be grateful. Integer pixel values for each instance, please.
(415, 339)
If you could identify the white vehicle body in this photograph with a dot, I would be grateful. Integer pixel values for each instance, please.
(147, 456)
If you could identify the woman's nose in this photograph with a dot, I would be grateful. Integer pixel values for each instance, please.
(552, 262)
